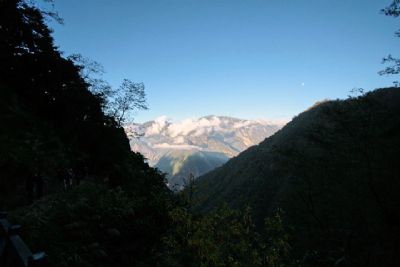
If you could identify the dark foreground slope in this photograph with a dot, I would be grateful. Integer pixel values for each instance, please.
(335, 172)
(66, 169)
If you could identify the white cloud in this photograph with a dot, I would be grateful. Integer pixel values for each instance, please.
(182, 147)
(189, 125)
(157, 126)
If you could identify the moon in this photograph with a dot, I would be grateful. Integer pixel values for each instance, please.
(302, 84)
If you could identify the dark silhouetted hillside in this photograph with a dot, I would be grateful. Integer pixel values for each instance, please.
(335, 172)
(61, 152)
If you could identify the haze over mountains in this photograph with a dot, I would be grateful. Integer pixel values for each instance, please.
(196, 145)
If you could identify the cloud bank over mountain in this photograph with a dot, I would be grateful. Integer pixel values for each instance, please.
(211, 140)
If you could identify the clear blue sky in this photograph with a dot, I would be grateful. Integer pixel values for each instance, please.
(244, 58)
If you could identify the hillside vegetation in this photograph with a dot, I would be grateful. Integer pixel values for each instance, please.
(61, 153)
(334, 170)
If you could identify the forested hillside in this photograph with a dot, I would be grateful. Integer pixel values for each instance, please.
(55, 137)
(50, 120)
(334, 170)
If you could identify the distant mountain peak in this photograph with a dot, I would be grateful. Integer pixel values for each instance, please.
(208, 134)
(213, 133)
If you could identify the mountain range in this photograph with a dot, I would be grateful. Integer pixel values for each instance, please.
(195, 146)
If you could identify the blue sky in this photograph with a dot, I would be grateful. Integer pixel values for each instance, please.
(244, 58)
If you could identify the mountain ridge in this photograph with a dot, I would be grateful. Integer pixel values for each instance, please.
(199, 137)
(333, 170)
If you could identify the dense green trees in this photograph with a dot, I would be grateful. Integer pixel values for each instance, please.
(91, 225)
(225, 237)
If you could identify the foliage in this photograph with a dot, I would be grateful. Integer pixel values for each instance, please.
(277, 240)
(129, 97)
(333, 169)
(52, 121)
(119, 103)
(224, 237)
(102, 203)
(392, 10)
(92, 225)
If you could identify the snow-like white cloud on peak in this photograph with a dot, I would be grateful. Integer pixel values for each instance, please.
(157, 126)
(211, 133)
(198, 126)
(189, 125)
(162, 119)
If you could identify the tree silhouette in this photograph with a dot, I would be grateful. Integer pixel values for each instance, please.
(392, 10)
(52, 110)
(119, 103)
(128, 98)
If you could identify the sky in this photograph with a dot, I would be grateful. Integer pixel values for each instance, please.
(253, 59)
